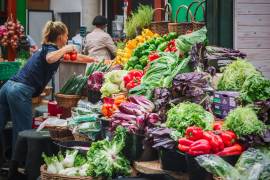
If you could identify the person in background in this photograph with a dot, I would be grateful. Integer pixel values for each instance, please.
(77, 39)
(16, 94)
(99, 44)
(33, 45)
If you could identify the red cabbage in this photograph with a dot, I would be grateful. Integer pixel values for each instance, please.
(95, 81)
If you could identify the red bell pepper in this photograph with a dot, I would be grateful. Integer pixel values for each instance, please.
(171, 47)
(184, 141)
(217, 126)
(228, 138)
(201, 146)
(133, 79)
(214, 140)
(153, 56)
(183, 148)
(233, 150)
(194, 133)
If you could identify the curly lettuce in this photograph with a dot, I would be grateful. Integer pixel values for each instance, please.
(187, 114)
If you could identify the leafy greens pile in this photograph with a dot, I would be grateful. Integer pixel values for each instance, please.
(255, 87)
(188, 114)
(105, 157)
(244, 121)
(235, 75)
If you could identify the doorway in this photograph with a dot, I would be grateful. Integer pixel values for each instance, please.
(72, 21)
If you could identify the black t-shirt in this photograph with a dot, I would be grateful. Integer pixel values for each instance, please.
(38, 72)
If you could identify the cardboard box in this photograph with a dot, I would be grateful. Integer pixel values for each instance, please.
(223, 102)
(38, 4)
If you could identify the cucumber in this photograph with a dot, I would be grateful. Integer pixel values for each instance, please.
(81, 85)
(74, 85)
(90, 69)
(67, 84)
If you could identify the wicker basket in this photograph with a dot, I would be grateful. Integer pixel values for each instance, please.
(44, 175)
(196, 24)
(182, 27)
(67, 101)
(161, 27)
(8, 69)
(81, 137)
(58, 133)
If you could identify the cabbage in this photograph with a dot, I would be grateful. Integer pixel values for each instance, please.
(115, 76)
(108, 89)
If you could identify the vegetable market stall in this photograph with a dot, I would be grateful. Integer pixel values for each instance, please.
(158, 106)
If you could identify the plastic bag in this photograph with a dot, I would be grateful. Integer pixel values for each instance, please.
(254, 164)
(218, 167)
(52, 122)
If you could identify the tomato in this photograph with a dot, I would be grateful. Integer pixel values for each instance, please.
(73, 56)
(66, 57)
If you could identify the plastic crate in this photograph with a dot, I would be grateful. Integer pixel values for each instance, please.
(8, 69)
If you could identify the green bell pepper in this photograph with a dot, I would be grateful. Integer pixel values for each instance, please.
(162, 46)
(133, 61)
(172, 35)
(159, 41)
(139, 67)
(143, 60)
(152, 47)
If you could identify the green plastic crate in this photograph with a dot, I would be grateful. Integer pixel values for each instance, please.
(8, 69)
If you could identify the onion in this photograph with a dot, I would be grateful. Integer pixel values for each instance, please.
(11, 32)
(5, 33)
(15, 37)
(9, 23)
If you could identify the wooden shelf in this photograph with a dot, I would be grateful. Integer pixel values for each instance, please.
(153, 167)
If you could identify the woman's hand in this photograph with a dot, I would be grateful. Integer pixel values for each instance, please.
(69, 48)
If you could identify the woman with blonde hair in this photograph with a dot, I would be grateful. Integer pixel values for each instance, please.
(16, 94)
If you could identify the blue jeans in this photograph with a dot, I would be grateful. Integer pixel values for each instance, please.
(16, 104)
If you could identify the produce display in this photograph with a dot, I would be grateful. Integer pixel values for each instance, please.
(123, 55)
(142, 54)
(159, 97)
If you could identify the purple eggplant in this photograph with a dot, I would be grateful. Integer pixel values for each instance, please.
(143, 102)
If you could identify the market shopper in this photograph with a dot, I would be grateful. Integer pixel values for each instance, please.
(99, 44)
(16, 94)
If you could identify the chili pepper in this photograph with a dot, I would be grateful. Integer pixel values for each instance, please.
(184, 141)
(228, 138)
(183, 148)
(194, 133)
(233, 150)
(217, 126)
(214, 140)
(201, 145)
(153, 56)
